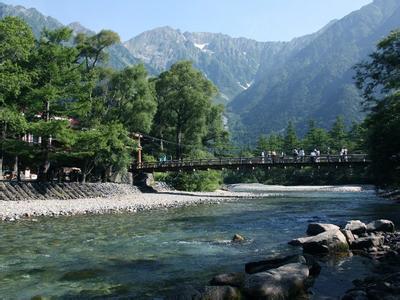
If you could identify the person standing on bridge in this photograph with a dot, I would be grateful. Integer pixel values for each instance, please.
(302, 154)
(343, 154)
(313, 155)
(273, 154)
(317, 155)
(295, 154)
(262, 156)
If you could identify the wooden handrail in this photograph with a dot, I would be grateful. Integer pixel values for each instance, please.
(268, 160)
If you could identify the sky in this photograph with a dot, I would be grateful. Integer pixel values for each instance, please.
(262, 20)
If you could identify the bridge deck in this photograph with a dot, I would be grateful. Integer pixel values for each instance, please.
(253, 162)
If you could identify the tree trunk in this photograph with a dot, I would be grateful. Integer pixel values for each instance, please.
(179, 144)
(15, 168)
(3, 137)
(161, 142)
(44, 168)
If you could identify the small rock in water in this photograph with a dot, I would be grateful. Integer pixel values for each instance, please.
(237, 238)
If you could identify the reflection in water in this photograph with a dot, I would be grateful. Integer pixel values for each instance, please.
(145, 255)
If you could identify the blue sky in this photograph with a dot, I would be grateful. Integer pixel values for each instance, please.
(263, 20)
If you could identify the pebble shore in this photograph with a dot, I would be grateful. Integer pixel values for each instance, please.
(130, 202)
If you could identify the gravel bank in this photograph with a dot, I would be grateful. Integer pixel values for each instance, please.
(130, 202)
(27, 200)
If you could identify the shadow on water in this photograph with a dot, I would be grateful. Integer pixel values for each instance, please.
(82, 274)
(137, 264)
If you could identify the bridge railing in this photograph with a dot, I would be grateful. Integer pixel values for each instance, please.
(248, 161)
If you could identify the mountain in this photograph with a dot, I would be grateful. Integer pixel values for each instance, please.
(312, 77)
(263, 84)
(119, 56)
(231, 63)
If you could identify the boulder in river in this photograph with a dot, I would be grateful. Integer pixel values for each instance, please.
(232, 279)
(349, 236)
(237, 238)
(331, 241)
(380, 225)
(299, 241)
(356, 227)
(317, 228)
(367, 242)
(273, 263)
(221, 293)
(286, 282)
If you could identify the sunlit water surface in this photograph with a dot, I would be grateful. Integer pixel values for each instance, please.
(148, 254)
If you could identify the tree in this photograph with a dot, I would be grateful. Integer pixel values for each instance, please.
(379, 80)
(290, 141)
(216, 139)
(379, 77)
(91, 48)
(106, 147)
(184, 101)
(16, 43)
(338, 134)
(131, 99)
(56, 81)
(316, 138)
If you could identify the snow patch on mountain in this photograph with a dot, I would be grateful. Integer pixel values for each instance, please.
(200, 46)
(246, 86)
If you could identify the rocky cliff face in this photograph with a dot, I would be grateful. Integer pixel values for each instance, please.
(231, 63)
(312, 77)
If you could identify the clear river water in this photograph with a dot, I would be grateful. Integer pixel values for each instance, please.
(148, 254)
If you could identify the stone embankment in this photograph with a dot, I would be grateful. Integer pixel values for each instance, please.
(20, 191)
(290, 277)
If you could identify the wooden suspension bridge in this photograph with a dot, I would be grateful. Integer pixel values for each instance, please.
(241, 163)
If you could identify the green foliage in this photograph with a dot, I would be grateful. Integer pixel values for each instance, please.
(131, 99)
(91, 48)
(272, 142)
(316, 138)
(184, 102)
(338, 135)
(291, 140)
(195, 181)
(85, 114)
(379, 82)
(16, 44)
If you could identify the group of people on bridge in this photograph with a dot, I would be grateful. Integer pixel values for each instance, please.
(299, 155)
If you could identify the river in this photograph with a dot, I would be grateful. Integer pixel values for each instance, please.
(148, 254)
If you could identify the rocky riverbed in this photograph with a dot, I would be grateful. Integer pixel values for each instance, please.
(290, 277)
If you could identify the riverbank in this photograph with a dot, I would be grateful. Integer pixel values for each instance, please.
(75, 199)
(150, 254)
(131, 200)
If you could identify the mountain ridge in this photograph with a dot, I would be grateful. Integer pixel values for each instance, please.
(264, 84)
(315, 82)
